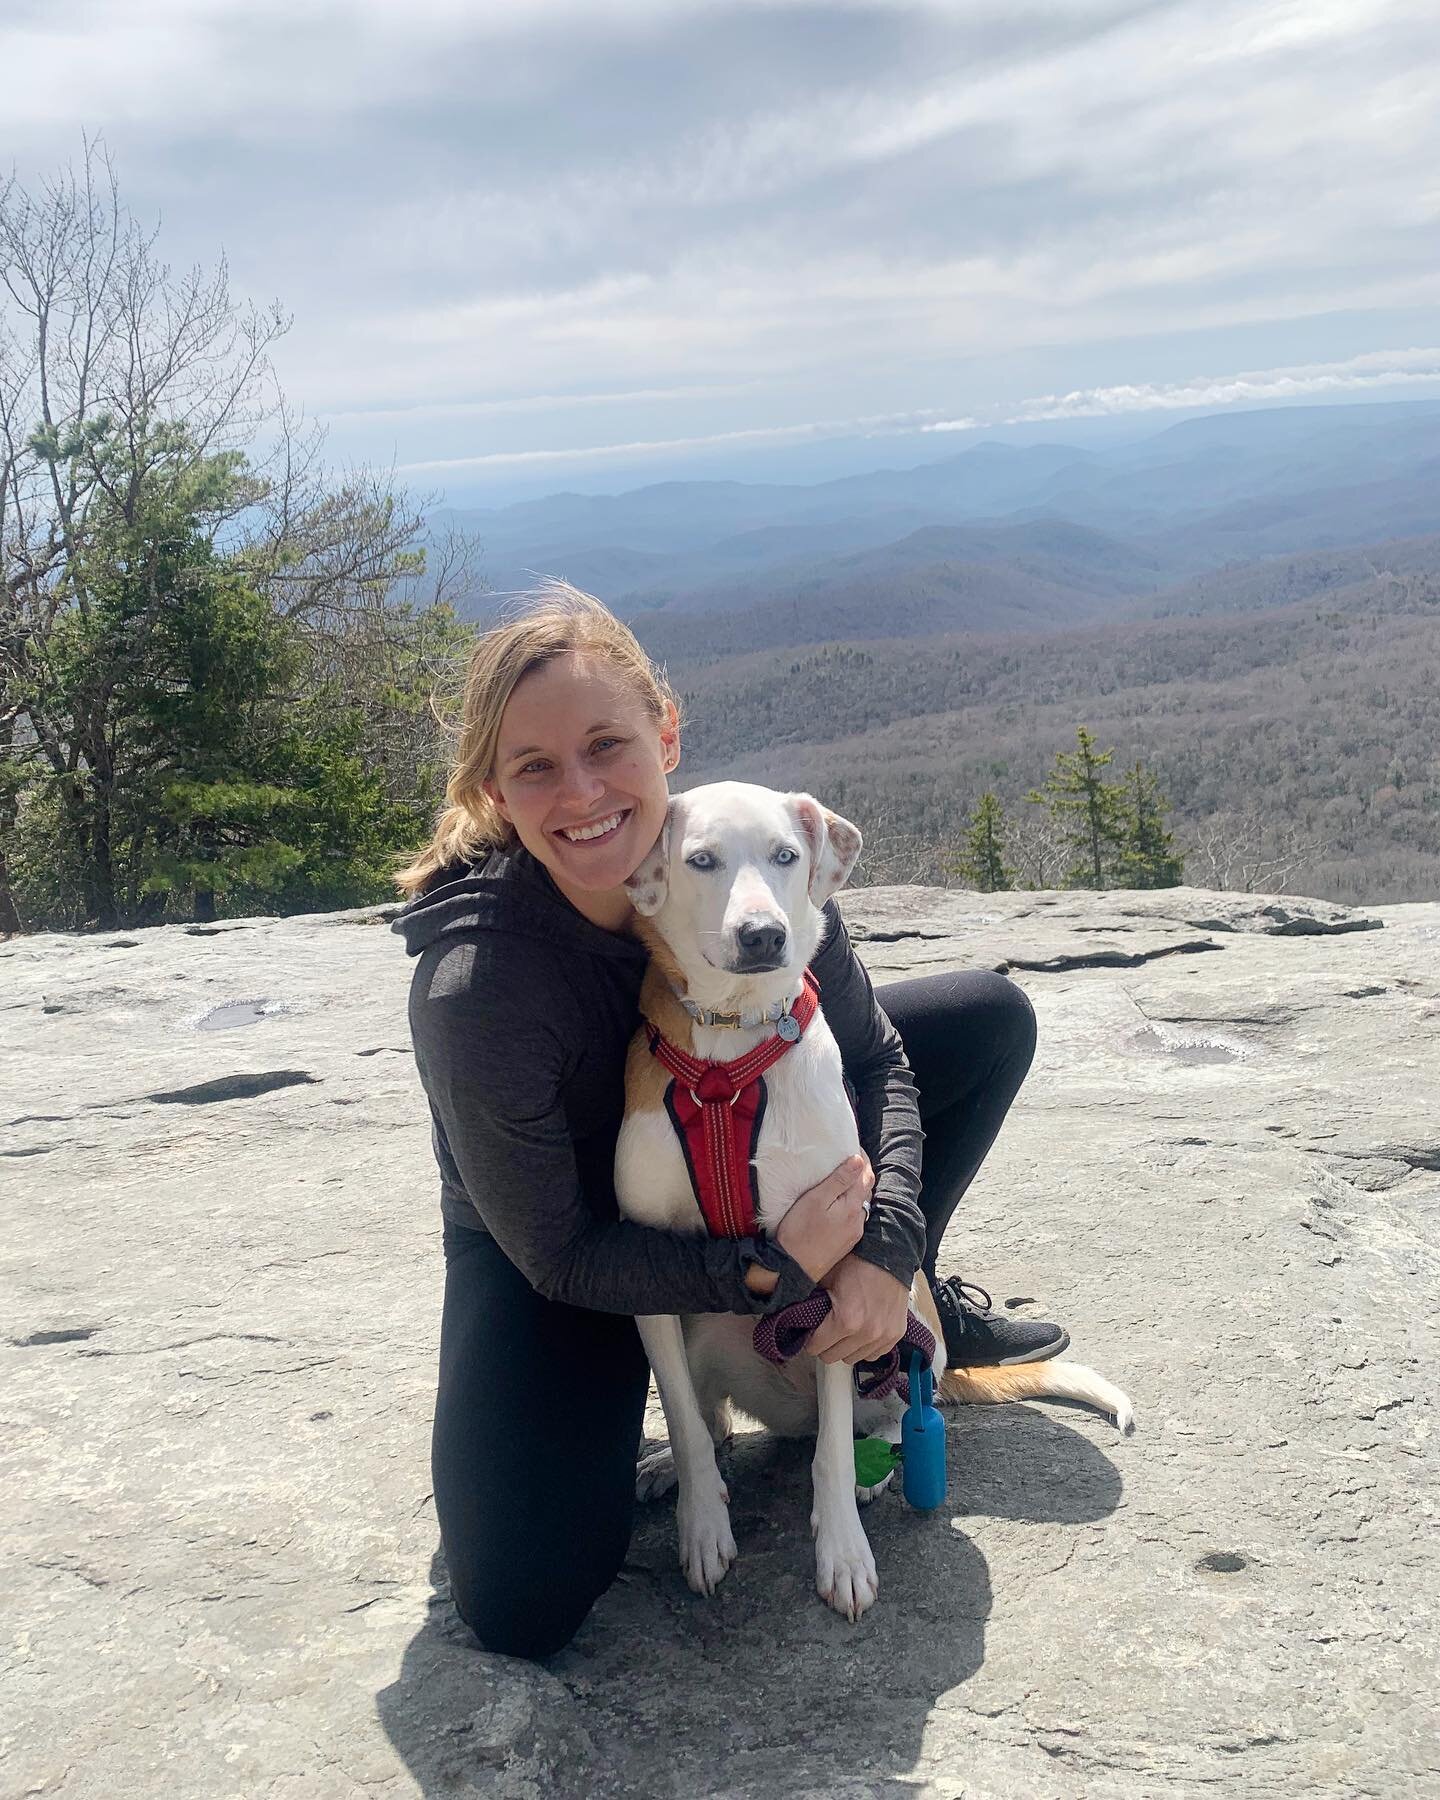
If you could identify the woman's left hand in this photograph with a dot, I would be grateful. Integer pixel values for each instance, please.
(868, 1308)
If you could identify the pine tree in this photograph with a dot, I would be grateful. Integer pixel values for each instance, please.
(1147, 859)
(1089, 810)
(982, 862)
(235, 772)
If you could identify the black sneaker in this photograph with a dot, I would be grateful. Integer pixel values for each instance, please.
(976, 1336)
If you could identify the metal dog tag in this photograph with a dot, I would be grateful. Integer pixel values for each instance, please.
(788, 1028)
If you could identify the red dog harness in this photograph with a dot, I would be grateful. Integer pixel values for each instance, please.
(716, 1108)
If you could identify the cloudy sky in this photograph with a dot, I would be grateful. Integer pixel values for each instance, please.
(541, 243)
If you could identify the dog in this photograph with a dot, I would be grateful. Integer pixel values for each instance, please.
(728, 903)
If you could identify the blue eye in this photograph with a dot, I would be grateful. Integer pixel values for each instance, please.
(785, 856)
(702, 860)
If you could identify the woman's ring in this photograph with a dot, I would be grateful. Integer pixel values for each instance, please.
(866, 1205)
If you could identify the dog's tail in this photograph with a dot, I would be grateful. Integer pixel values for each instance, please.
(1037, 1381)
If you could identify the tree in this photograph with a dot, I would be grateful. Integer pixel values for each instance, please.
(233, 771)
(982, 862)
(1088, 808)
(1147, 853)
(1252, 853)
(1035, 841)
(163, 587)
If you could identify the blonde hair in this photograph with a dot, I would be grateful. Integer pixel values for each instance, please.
(553, 621)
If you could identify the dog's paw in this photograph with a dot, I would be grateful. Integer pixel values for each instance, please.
(655, 1474)
(845, 1576)
(864, 1495)
(707, 1548)
(1124, 1414)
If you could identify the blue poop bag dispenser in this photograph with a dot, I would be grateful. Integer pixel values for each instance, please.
(920, 1452)
(922, 1442)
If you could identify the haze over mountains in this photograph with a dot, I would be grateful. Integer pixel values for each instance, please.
(1247, 602)
(1189, 497)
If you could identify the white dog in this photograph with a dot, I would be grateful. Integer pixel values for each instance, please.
(729, 900)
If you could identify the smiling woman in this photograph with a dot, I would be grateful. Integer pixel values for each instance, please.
(523, 1004)
(588, 800)
(566, 727)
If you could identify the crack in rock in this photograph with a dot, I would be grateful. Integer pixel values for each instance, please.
(232, 1087)
(235, 1377)
(1109, 959)
(1414, 1157)
(1287, 922)
(869, 934)
(209, 1337)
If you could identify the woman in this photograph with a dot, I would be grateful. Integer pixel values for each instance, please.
(523, 1001)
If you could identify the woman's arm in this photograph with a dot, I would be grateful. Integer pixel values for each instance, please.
(493, 1071)
(886, 1103)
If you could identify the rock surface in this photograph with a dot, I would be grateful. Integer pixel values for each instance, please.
(221, 1287)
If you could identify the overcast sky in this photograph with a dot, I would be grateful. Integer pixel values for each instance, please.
(585, 242)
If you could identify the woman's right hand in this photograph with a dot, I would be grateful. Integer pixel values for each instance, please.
(826, 1222)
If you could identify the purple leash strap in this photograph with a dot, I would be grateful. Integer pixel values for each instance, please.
(784, 1334)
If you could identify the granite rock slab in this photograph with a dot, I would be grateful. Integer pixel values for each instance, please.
(220, 1286)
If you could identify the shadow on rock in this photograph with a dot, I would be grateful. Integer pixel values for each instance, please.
(760, 1688)
(470, 1726)
(1024, 1462)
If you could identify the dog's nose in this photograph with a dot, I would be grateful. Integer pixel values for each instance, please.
(761, 941)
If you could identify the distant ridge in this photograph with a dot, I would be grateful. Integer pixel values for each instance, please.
(1195, 495)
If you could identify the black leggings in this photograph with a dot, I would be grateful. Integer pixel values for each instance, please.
(535, 1521)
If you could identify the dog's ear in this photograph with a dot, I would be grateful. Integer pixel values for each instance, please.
(834, 846)
(650, 883)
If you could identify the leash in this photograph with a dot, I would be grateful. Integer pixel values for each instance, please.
(784, 1334)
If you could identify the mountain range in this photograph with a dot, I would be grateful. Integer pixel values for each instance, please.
(1033, 534)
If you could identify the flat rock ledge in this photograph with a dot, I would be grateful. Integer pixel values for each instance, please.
(221, 1291)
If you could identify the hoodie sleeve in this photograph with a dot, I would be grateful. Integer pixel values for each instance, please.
(494, 1071)
(886, 1102)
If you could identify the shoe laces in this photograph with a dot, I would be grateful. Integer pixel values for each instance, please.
(971, 1293)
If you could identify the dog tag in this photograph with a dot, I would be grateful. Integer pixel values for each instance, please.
(788, 1028)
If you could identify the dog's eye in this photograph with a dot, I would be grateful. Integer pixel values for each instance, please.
(785, 856)
(701, 860)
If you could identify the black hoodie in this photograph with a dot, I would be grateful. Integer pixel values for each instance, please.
(521, 1012)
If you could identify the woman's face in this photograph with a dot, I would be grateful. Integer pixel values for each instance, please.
(580, 773)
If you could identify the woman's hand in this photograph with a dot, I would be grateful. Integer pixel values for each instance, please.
(825, 1223)
(868, 1309)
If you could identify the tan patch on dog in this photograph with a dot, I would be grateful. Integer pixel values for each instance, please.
(995, 1387)
(922, 1304)
(646, 1078)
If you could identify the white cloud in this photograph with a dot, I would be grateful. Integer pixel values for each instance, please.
(1305, 381)
(575, 218)
(1380, 369)
(530, 403)
(881, 425)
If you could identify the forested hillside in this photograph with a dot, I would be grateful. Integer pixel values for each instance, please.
(1311, 726)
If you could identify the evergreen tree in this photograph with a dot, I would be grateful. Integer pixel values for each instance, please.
(982, 863)
(1089, 810)
(220, 764)
(1147, 857)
